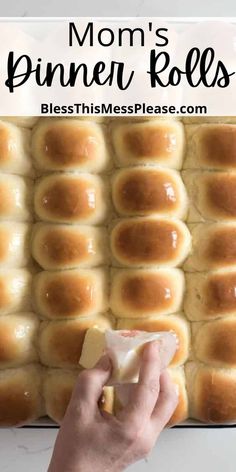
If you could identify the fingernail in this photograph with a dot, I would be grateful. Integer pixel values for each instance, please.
(150, 349)
(155, 345)
(104, 363)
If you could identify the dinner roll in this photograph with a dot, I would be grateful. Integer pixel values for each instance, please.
(149, 190)
(61, 342)
(176, 323)
(15, 291)
(139, 293)
(214, 247)
(70, 293)
(18, 335)
(14, 244)
(140, 118)
(122, 396)
(68, 247)
(210, 295)
(208, 119)
(152, 142)
(63, 144)
(20, 396)
(16, 194)
(214, 342)
(96, 118)
(211, 146)
(58, 387)
(212, 195)
(24, 121)
(211, 393)
(71, 198)
(181, 412)
(150, 241)
(14, 150)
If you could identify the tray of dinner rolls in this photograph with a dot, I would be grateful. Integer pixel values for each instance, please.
(124, 223)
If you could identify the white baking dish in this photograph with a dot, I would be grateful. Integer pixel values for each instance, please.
(36, 27)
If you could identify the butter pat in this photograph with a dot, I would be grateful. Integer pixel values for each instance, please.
(94, 347)
(124, 349)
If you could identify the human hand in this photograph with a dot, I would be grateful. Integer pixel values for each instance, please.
(90, 439)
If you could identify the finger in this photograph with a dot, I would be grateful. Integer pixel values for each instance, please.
(168, 345)
(123, 392)
(143, 396)
(166, 403)
(90, 383)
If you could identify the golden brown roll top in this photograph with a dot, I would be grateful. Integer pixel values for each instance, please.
(20, 396)
(61, 342)
(14, 245)
(71, 293)
(69, 246)
(210, 295)
(93, 118)
(14, 150)
(149, 190)
(214, 342)
(18, 336)
(150, 241)
(176, 323)
(63, 144)
(211, 146)
(212, 195)
(15, 291)
(140, 293)
(16, 196)
(214, 247)
(212, 393)
(58, 387)
(154, 142)
(138, 118)
(208, 119)
(71, 198)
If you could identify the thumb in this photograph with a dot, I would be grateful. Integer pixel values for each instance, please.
(104, 363)
(103, 369)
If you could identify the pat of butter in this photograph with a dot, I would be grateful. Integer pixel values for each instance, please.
(94, 347)
(124, 349)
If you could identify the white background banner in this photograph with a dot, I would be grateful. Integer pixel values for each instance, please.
(117, 66)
